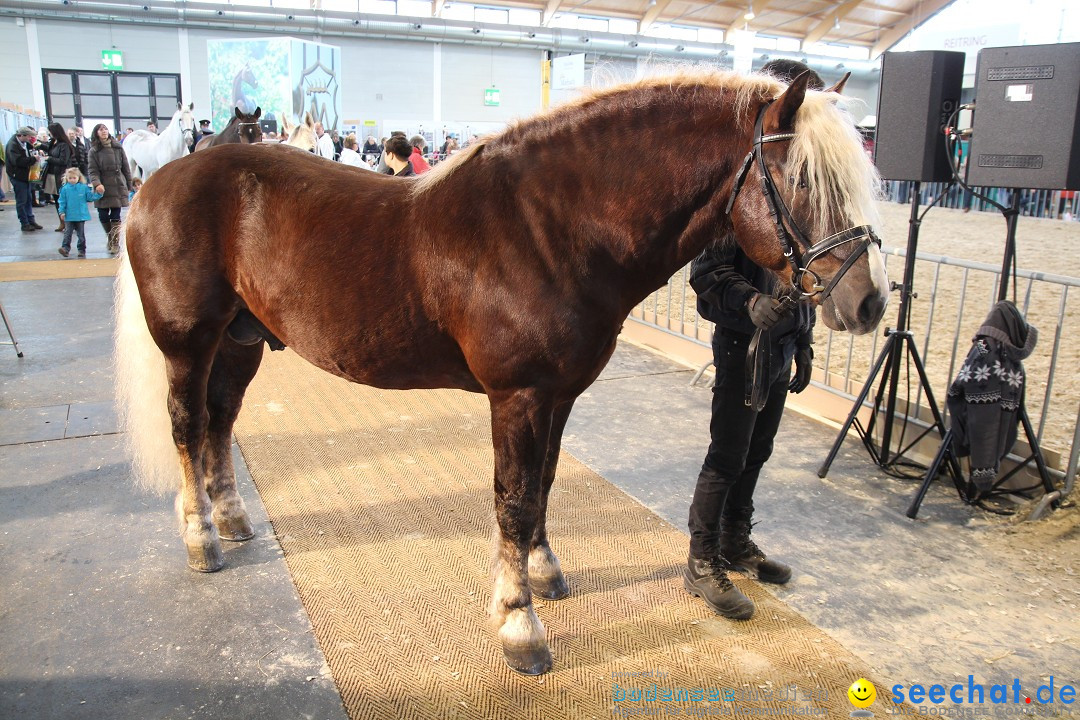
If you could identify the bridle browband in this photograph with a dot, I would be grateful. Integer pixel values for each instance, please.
(800, 263)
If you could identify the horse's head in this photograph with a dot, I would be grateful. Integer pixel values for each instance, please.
(185, 116)
(303, 136)
(247, 126)
(803, 206)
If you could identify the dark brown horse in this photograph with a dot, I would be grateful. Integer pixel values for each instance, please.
(243, 128)
(550, 234)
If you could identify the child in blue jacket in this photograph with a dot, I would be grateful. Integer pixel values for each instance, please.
(73, 198)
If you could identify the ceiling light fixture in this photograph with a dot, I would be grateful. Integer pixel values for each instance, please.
(749, 11)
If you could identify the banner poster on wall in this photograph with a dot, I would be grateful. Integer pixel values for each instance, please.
(282, 76)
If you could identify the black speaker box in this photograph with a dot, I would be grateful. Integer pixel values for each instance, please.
(918, 92)
(1026, 132)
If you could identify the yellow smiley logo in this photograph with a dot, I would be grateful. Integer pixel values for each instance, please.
(862, 693)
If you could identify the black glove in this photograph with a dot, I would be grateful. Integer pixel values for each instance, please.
(765, 310)
(804, 365)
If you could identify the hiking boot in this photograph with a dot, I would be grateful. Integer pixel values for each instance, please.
(82, 254)
(63, 251)
(742, 554)
(35, 226)
(61, 227)
(707, 579)
(28, 228)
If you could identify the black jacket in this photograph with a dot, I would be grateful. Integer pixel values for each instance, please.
(61, 157)
(724, 279)
(985, 398)
(18, 160)
(81, 160)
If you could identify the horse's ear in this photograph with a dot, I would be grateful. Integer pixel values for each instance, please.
(239, 115)
(780, 117)
(839, 86)
(308, 120)
(191, 106)
(258, 112)
(179, 106)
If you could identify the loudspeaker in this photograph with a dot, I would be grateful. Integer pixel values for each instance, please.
(1026, 132)
(918, 92)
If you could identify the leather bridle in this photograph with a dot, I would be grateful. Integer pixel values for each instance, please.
(798, 259)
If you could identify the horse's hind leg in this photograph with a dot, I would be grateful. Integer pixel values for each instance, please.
(234, 367)
(188, 371)
(546, 578)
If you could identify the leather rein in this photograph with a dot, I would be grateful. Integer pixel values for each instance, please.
(781, 216)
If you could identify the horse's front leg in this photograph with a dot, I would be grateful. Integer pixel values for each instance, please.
(546, 577)
(520, 426)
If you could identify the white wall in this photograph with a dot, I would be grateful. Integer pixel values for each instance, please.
(386, 81)
(77, 46)
(468, 70)
(15, 81)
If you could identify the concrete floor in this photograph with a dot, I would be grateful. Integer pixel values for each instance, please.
(99, 616)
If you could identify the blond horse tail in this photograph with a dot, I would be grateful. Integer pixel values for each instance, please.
(142, 390)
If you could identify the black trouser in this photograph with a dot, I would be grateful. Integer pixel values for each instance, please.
(741, 439)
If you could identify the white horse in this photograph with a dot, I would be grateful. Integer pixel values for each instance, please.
(148, 152)
(301, 136)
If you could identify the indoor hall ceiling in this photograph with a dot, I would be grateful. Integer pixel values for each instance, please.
(874, 24)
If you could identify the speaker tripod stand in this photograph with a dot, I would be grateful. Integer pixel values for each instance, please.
(899, 346)
(947, 454)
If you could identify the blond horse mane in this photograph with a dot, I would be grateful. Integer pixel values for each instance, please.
(827, 149)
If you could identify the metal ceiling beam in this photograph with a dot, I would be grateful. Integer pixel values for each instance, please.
(838, 13)
(549, 12)
(918, 15)
(651, 14)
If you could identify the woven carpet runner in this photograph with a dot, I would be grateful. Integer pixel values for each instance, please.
(383, 505)
(58, 269)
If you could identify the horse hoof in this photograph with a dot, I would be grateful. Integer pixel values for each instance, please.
(205, 558)
(235, 529)
(528, 660)
(554, 588)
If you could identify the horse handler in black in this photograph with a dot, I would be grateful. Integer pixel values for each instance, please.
(739, 297)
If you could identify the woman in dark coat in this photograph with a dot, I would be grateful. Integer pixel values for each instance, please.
(61, 156)
(110, 174)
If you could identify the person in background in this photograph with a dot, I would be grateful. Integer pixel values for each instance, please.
(324, 146)
(73, 211)
(19, 156)
(152, 127)
(349, 154)
(419, 164)
(383, 167)
(136, 183)
(204, 131)
(77, 142)
(740, 298)
(110, 175)
(372, 149)
(61, 155)
(398, 152)
(338, 145)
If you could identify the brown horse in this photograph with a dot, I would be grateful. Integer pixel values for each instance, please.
(551, 233)
(243, 128)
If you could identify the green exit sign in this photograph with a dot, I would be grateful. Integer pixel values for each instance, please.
(491, 96)
(112, 59)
